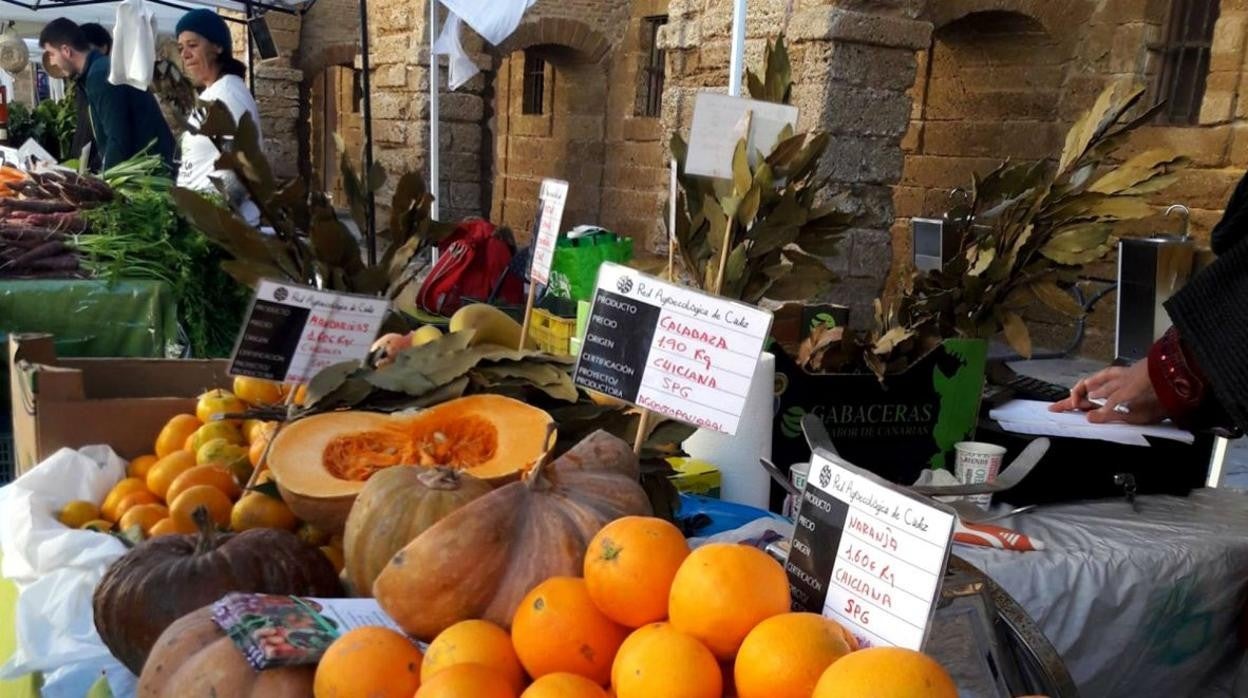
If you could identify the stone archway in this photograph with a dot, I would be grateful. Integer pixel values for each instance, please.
(988, 90)
(1055, 16)
(563, 134)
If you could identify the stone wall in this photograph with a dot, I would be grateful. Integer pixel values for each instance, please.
(993, 86)
(276, 89)
(853, 63)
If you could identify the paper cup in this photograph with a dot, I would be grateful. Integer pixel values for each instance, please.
(978, 463)
(797, 474)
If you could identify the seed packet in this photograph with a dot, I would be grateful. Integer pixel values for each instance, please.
(273, 631)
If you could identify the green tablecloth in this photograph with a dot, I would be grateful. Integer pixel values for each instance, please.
(93, 318)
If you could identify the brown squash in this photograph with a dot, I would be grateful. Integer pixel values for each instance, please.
(162, 579)
(193, 658)
(322, 462)
(395, 506)
(482, 559)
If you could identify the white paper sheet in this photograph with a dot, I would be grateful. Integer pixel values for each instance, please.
(1034, 417)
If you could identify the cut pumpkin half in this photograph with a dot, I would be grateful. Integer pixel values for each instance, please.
(322, 462)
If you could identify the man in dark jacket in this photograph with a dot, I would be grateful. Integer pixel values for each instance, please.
(125, 121)
(100, 41)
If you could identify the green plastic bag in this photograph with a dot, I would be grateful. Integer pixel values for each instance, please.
(574, 270)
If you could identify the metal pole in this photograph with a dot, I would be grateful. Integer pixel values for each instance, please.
(251, 56)
(367, 99)
(736, 68)
(435, 116)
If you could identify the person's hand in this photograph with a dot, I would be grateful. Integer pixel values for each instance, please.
(1129, 387)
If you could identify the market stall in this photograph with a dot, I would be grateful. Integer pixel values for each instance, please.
(500, 501)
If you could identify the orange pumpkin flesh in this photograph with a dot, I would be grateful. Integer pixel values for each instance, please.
(322, 462)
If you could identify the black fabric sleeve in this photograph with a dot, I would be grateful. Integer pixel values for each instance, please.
(1211, 314)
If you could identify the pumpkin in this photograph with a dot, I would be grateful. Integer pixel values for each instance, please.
(161, 579)
(321, 463)
(193, 658)
(395, 506)
(483, 558)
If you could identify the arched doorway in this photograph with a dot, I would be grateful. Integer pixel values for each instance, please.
(333, 100)
(988, 90)
(549, 120)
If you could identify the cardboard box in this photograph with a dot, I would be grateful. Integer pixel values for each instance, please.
(79, 402)
(895, 429)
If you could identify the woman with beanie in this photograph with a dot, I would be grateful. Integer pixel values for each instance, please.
(205, 45)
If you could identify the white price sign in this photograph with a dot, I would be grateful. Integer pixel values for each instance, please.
(553, 198)
(868, 554)
(292, 332)
(677, 352)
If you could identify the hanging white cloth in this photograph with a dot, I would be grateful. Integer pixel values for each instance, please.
(6, 81)
(56, 89)
(494, 20)
(134, 45)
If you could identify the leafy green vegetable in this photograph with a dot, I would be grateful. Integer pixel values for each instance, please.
(140, 236)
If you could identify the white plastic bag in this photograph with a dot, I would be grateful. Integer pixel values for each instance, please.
(56, 570)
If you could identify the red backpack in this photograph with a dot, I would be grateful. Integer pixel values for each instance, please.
(473, 263)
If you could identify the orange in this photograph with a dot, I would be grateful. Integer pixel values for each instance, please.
(78, 513)
(723, 590)
(167, 469)
(165, 527)
(629, 567)
(257, 391)
(466, 681)
(145, 516)
(562, 685)
(214, 500)
(474, 642)
(134, 499)
(784, 656)
(99, 526)
(659, 660)
(301, 393)
(212, 475)
(174, 434)
(119, 492)
(885, 672)
(557, 628)
(215, 402)
(230, 431)
(370, 661)
(256, 510)
(139, 466)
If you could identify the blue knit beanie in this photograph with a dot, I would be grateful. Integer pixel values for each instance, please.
(209, 25)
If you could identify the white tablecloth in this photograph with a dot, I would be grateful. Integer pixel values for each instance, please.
(1138, 604)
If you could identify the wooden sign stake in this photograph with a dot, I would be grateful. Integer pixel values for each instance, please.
(643, 426)
(528, 315)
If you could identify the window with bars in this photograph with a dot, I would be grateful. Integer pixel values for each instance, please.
(534, 84)
(1185, 60)
(652, 72)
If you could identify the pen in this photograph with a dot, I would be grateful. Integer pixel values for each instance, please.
(1120, 408)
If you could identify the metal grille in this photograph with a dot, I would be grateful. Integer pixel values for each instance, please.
(1185, 59)
(654, 72)
(534, 83)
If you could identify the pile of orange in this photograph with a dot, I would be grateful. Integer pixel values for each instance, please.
(200, 460)
(648, 619)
